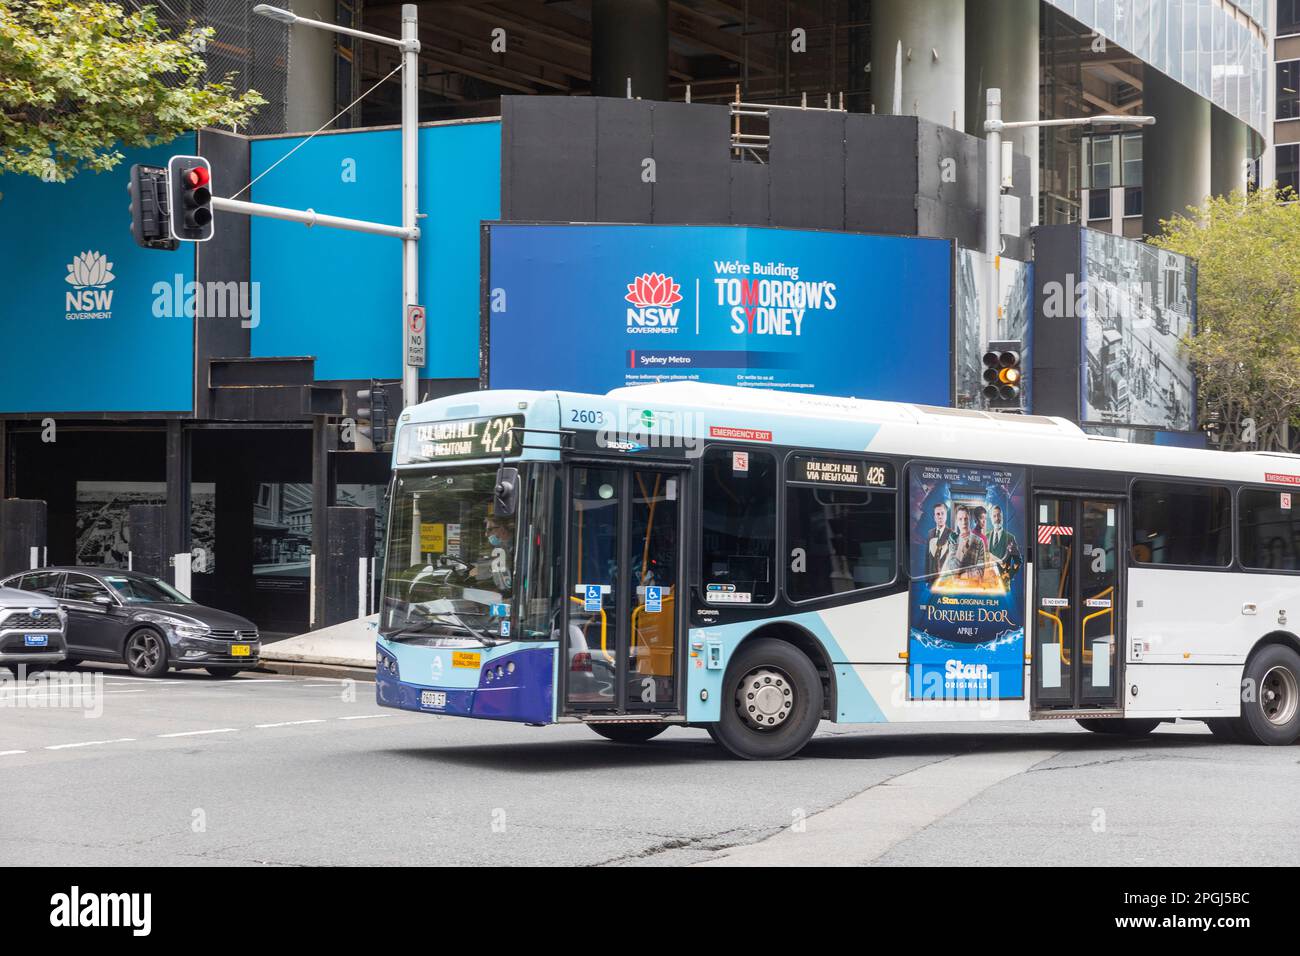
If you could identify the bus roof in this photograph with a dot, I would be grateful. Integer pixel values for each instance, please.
(725, 413)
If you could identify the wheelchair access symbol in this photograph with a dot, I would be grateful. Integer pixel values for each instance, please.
(654, 598)
(591, 598)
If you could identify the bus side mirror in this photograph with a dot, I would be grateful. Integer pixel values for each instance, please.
(505, 496)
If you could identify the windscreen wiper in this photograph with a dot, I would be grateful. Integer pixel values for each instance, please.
(421, 630)
(478, 636)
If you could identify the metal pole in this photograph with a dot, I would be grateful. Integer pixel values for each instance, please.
(992, 205)
(309, 217)
(410, 189)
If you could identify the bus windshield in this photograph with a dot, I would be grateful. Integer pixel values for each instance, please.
(451, 561)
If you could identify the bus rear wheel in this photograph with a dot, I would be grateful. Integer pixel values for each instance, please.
(1120, 726)
(1273, 716)
(628, 733)
(771, 701)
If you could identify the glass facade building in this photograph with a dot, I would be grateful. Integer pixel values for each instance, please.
(1215, 48)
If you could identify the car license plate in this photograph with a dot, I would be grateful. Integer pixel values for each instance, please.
(36, 640)
(433, 698)
(240, 650)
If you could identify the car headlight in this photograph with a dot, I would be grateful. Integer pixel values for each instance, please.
(182, 626)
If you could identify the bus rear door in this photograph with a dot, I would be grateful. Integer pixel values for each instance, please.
(1078, 627)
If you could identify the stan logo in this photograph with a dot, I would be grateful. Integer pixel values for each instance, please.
(89, 273)
(652, 295)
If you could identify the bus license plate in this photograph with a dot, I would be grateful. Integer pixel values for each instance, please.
(433, 698)
(36, 640)
(240, 650)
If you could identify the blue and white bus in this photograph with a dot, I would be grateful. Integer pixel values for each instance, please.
(753, 562)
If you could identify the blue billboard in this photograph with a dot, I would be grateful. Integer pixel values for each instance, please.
(89, 319)
(595, 307)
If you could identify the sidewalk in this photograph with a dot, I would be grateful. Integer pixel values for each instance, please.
(343, 650)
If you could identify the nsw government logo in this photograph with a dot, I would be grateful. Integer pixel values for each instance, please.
(89, 274)
(653, 296)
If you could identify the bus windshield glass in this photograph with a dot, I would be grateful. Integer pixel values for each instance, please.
(451, 561)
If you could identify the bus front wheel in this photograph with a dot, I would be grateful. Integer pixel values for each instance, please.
(1273, 681)
(628, 733)
(771, 701)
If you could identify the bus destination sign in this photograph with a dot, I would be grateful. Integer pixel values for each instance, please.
(465, 438)
(846, 473)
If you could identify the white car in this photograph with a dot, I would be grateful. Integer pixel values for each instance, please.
(33, 630)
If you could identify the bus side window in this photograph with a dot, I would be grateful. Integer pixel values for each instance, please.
(738, 533)
(1267, 528)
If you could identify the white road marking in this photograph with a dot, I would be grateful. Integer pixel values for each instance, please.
(200, 733)
(81, 690)
(11, 753)
(250, 682)
(365, 716)
(866, 826)
(91, 743)
(136, 680)
(290, 723)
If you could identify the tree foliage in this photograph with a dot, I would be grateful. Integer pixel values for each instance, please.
(1246, 348)
(79, 78)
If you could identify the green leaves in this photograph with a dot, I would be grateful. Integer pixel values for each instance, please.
(1246, 351)
(81, 78)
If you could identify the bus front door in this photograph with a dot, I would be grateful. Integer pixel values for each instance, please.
(1076, 657)
(623, 578)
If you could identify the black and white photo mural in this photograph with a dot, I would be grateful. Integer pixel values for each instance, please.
(1139, 307)
(974, 331)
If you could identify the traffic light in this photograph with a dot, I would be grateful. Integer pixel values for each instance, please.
(372, 418)
(1003, 376)
(148, 189)
(189, 181)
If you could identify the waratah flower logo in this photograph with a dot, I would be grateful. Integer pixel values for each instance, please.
(653, 288)
(90, 269)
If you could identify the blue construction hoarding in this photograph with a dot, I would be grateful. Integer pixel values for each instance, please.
(89, 319)
(338, 295)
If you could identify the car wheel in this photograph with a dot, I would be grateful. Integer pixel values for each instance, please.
(1119, 726)
(628, 733)
(1273, 716)
(771, 701)
(1225, 728)
(222, 672)
(146, 653)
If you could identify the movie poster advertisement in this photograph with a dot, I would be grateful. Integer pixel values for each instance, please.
(966, 637)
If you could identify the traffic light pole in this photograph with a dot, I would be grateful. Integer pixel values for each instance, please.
(408, 231)
(993, 129)
(410, 197)
(992, 205)
(310, 217)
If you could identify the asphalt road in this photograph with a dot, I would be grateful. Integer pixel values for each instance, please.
(305, 770)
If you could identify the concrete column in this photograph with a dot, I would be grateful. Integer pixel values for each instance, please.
(1002, 52)
(934, 77)
(1229, 152)
(629, 38)
(1176, 151)
(310, 83)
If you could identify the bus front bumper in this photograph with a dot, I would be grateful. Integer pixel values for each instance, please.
(513, 682)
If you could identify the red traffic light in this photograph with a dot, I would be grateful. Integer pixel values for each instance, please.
(196, 176)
